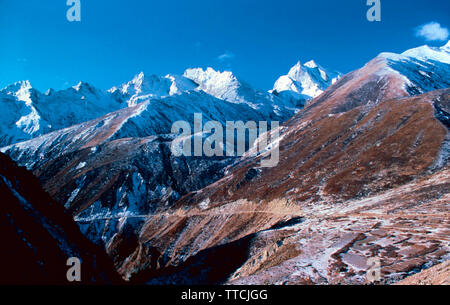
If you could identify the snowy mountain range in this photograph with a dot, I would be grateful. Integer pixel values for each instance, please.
(27, 113)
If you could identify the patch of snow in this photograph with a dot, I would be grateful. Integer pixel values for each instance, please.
(81, 165)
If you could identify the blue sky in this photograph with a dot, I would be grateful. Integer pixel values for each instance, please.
(258, 40)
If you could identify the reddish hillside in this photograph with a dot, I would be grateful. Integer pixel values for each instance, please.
(359, 138)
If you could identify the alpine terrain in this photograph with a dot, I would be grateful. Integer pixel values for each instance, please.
(363, 173)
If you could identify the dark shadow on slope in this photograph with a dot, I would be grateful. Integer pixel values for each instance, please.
(441, 112)
(38, 236)
(209, 267)
(287, 223)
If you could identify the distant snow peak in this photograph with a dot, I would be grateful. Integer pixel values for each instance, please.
(208, 77)
(83, 87)
(422, 69)
(19, 117)
(21, 90)
(28, 113)
(306, 81)
(426, 52)
(49, 92)
(138, 78)
(297, 68)
(423, 53)
(144, 87)
(135, 85)
(311, 64)
(222, 85)
(14, 88)
(446, 47)
(25, 84)
(180, 84)
(77, 87)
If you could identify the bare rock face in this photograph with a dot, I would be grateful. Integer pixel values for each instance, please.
(38, 236)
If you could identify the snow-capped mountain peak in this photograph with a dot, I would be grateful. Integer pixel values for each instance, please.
(180, 84)
(134, 86)
(218, 84)
(49, 92)
(139, 83)
(295, 70)
(85, 88)
(202, 77)
(22, 91)
(138, 78)
(426, 52)
(446, 47)
(311, 64)
(421, 69)
(304, 82)
(19, 117)
(222, 85)
(226, 86)
(78, 86)
(143, 87)
(20, 88)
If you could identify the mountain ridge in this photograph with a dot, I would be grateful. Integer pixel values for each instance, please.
(29, 113)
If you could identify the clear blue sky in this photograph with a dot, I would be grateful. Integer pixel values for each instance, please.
(117, 39)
